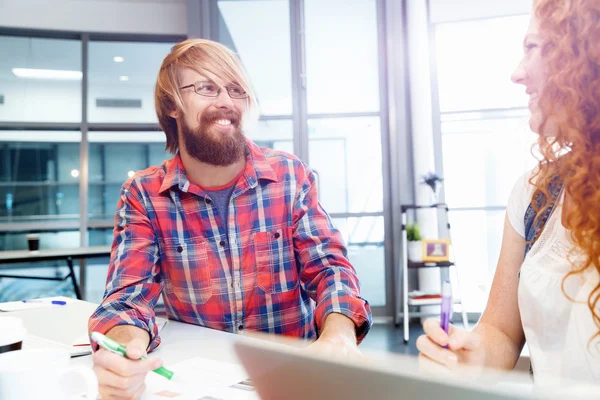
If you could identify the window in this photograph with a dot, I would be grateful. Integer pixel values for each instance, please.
(121, 78)
(39, 175)
(344, 130)
(40, 79)
(364, 238)
(486, 140)
(114, 158)
(276, 134)
(338, 150)
(41, 141)
(475, 60)
(259, 32)
(335, 83)
(341, 56)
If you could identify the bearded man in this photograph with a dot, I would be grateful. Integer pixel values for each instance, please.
(231, 234)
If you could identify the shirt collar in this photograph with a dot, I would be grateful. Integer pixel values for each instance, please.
(257, 168)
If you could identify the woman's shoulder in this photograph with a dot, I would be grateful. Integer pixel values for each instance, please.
(525, 185)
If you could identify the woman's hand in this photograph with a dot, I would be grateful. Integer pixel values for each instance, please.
(458, 346)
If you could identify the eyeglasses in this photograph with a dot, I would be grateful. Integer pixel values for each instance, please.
(210, 89)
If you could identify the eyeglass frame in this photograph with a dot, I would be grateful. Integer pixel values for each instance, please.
(193, 85)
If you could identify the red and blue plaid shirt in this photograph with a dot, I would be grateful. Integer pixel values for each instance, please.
(263, 270)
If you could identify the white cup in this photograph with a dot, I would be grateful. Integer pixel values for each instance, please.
(44, 374)
(12, 334)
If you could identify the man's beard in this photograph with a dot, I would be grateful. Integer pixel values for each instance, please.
(220, 149)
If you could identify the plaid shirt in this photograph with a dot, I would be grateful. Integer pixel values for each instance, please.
(261, 271)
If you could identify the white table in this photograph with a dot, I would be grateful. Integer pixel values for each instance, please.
(180, 341)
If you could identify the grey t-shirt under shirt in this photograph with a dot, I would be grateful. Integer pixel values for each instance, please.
(221, 199)
(220, 195)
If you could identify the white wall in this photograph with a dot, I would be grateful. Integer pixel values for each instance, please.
(122, 16)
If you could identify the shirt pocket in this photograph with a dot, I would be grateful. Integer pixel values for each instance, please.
(185, 263)
(276, 269)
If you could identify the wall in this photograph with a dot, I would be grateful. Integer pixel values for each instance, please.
(118, 16)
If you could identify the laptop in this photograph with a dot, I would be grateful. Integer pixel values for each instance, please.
(279, 370)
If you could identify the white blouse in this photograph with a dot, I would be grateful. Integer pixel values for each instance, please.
(557, 330)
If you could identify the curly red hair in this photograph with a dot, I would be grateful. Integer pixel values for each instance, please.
(570, 143)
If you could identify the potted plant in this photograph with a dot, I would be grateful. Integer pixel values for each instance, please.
(413, 235)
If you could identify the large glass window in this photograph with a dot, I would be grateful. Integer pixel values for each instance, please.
(339, 74)
(486, 140)
(275, 134)
(475, 60)
(39, 175)
(499, 151)
(114, 158)
(40, 79)
(364, 237)
(121, 80)
(259, 32)
(346, 153)
(328, 112)
(41, 143)
(341, 56)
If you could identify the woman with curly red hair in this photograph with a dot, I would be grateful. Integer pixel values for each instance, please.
(548, 298)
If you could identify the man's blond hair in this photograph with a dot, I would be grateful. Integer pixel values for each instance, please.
(202, 56)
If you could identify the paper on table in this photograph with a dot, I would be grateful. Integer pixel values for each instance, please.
(38, 342)
(199, 378)
(161, 322)
(19, 305)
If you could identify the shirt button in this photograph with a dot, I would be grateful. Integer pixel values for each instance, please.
(241, 327)
(208, 201)
(276, 235)
(222, 243)
(179, 249)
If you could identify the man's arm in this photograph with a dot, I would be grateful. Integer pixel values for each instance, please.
(124, 334)
(338, 328)
(133, 284)
(325, 271)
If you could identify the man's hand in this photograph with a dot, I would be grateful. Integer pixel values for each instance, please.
(120, 377)
(338, 338)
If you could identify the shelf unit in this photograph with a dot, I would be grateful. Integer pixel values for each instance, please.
(406, 301)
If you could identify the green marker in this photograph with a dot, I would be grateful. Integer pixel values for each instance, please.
(119, 349)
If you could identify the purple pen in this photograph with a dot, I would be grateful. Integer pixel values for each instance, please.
(446, 313)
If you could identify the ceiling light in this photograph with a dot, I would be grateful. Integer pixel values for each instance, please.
(31, 73)
(118, 59)
(74, 173)
(130, 174)
(123, 78)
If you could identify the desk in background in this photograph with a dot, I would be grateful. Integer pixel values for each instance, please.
(26, 256)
